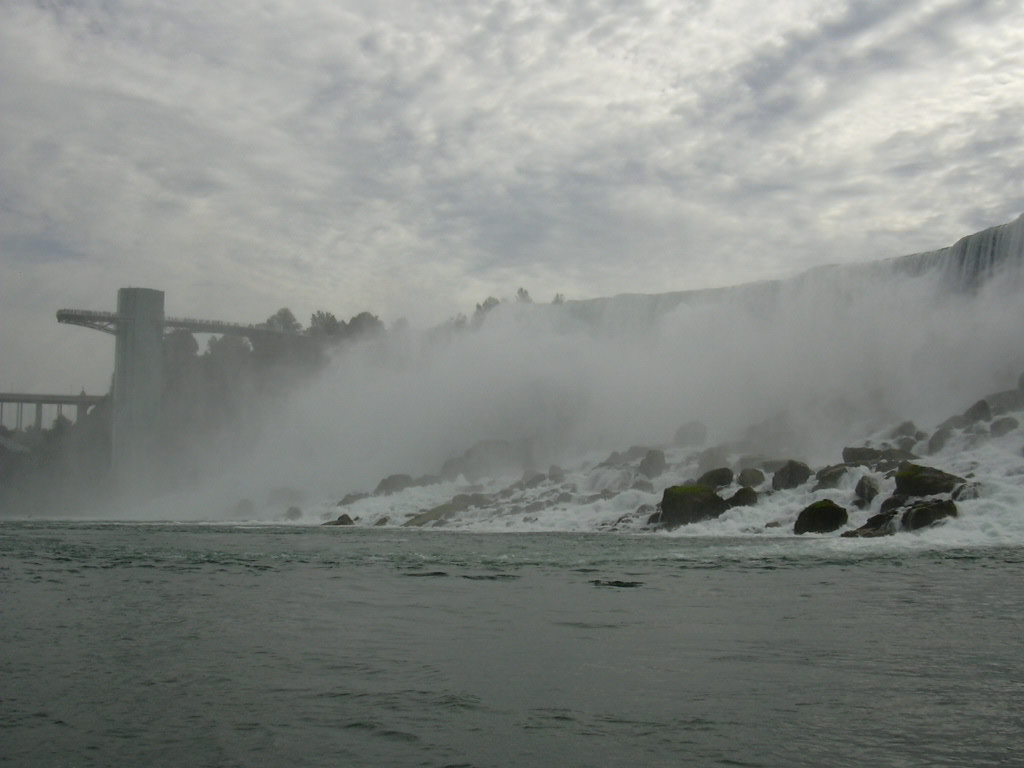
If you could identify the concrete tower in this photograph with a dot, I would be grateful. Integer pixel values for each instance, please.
(138, 384)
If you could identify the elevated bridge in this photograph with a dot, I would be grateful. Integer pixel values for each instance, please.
(108, 322)
(19, 400)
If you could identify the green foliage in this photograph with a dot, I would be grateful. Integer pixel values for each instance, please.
(283, 320)
(325, 324)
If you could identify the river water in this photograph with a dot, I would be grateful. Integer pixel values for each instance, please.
(262, 645)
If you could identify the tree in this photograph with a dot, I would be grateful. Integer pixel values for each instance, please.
(364, 323)
(523, 296)
(325, 324)
(283, 320)
(482, 309)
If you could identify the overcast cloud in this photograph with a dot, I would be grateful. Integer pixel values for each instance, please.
(411, 158)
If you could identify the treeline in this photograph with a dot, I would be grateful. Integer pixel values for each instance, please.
(212, 402)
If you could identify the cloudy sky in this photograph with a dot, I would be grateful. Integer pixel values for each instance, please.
(412, 157)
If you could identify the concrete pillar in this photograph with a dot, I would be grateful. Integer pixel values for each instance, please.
(39, 417)
(138, 385)
(80, 410)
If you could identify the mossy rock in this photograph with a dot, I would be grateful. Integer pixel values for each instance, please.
(686, 504)
(792, 474)
(925, 514)
(716, 478)
(919, 480)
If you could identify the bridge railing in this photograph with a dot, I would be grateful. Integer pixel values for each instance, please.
(107, 322)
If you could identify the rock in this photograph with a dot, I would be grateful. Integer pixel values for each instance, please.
(382, 521)
(829, 477)
(894, 502)
(919, 480)
(533, 479)
(980, 411)
(556, 474)
(646, 486)
(487, 458)
(938, 441)
(822, 516)
(954, 422)
(685, 504)
(904, 429)
(293, 513)
(393, 484)
(1003, 426)
(865, 491)
(1006, 402)
(906, 444)
(744, 497)
(882, 524)
(438, 514)
(791, 475)
(926, 513)
(352, 498)
(343, 519)
(710, 458)
(750, 477)
(692, 433)
(653, 464)
(716, 478)
(875, 457)
(966, 492)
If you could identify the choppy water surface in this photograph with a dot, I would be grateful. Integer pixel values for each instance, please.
(160, 645)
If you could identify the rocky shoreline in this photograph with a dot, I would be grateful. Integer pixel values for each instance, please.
(890, 479)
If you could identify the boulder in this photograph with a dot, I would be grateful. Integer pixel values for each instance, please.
(919, 480)
(894, 502)
(716, 478)
(954, 422)
(487, 458)
(875, 457)
(640, 484)
(750, 477)
(1003, 426)
(438, 515)
(865, 491)
(710, 458)
(882, 524)
(692, 433)
(829, 477)
(980, 411)
(905, 429)
(343, 519)
(923, 514)
(393, 484)
(1006, 402)
(822, 516)
(791, 475)
(938, 441)
(685, 504)
(744, 497)
(653, 463)
(966, 492)
(352, 498)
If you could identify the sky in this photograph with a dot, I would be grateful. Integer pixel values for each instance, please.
(412, 158)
